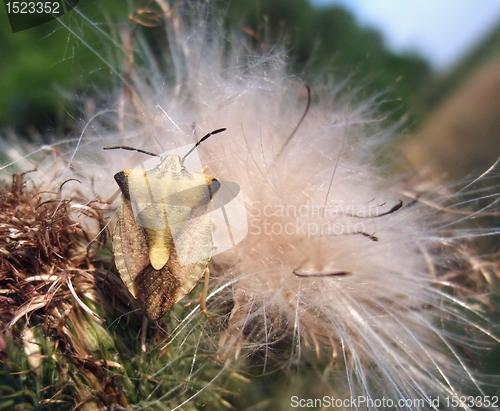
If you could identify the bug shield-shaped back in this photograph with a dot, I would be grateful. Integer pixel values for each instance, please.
(173, 205)
(164, 237)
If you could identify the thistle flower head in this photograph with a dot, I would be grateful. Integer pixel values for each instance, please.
(349, 266)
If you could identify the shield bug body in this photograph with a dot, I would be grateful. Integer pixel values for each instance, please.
(162, 241)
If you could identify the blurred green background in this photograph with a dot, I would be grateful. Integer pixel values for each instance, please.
(44, 67)
(42, 62)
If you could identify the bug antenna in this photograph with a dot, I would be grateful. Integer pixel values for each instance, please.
(219, 130)
(154, 136)
(300, 121)
(131, 149)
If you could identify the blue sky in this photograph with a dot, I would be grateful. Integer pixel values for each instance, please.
(443, 31)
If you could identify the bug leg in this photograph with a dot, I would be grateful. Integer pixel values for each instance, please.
(203, 298)
(143, 333)
(112, 198)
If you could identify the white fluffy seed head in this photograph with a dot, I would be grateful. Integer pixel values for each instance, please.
(325, 264)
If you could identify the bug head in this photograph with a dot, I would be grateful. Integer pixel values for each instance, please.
(170, 180)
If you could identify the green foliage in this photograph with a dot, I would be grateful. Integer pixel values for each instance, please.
(330, 41)
(40, 64)
(89, 365)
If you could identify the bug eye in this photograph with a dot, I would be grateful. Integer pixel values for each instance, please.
(213, 187)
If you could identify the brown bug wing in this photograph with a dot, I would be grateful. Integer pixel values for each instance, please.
(193, 245)
(156, 291)
(130, 246)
